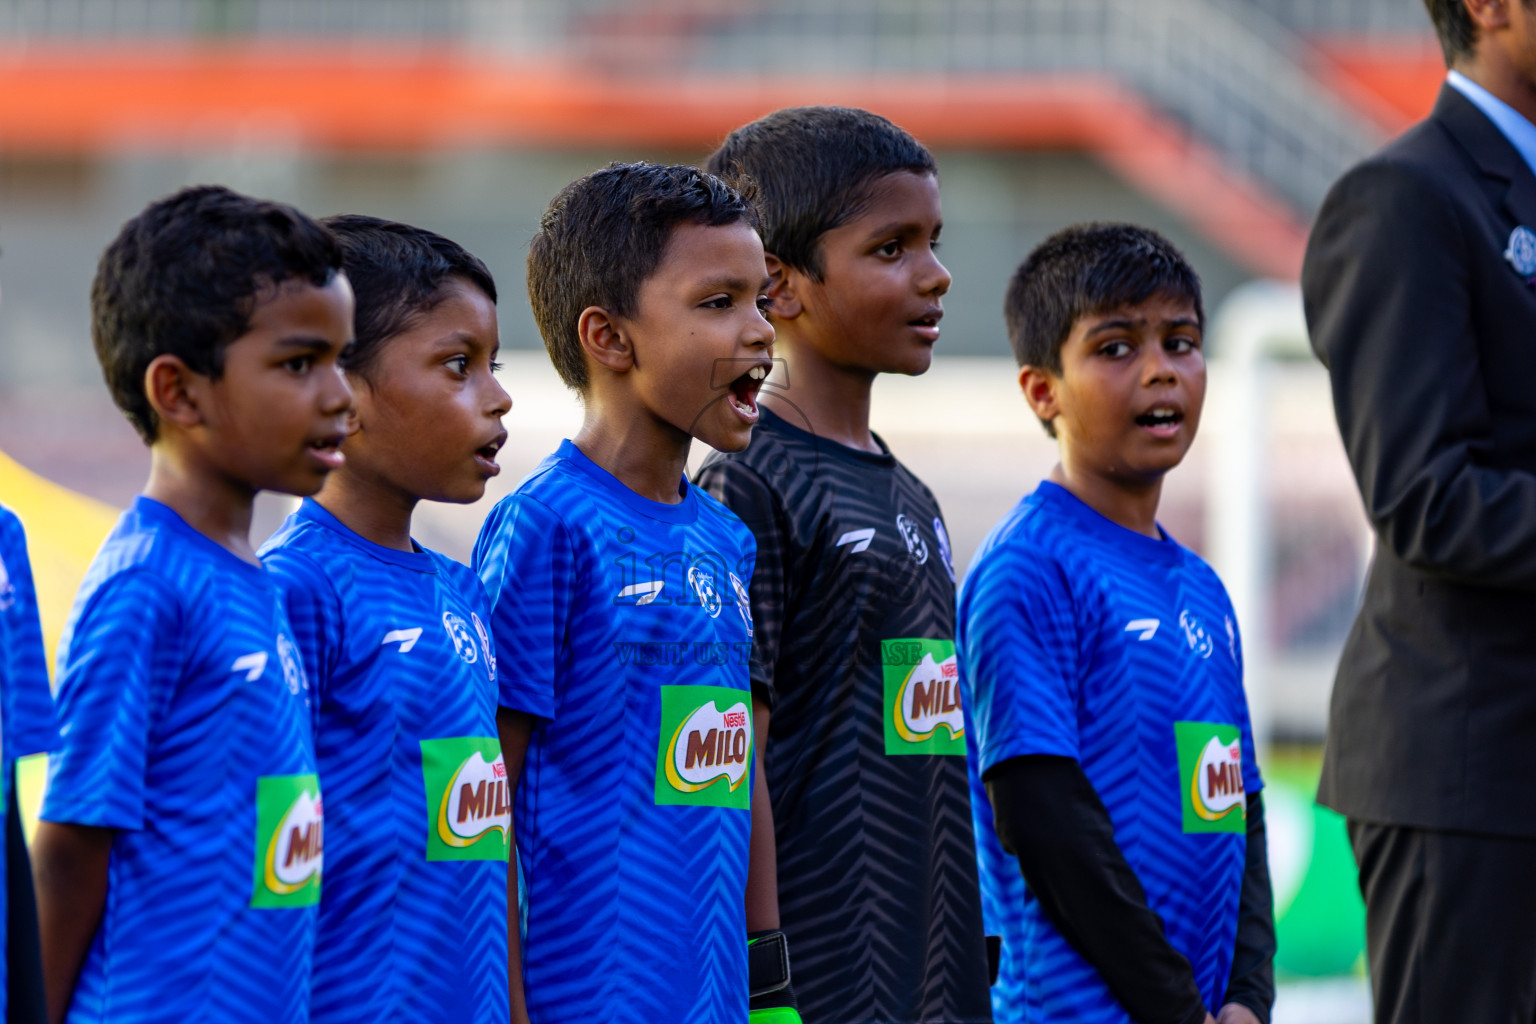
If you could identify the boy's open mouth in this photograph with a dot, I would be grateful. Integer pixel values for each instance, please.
(743, 391)
(1161, 419)
(486, 454)
(327, 450)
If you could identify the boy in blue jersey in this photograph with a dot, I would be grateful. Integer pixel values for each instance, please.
(27, 726)
(178, 860)
(1112, 764)
(619, 607)
(413, 918)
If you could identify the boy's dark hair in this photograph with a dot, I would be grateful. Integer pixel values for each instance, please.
(604, 234)
(815, 168)
(1454, 27)
(183, 277)
(397, 273)
(1084, 270)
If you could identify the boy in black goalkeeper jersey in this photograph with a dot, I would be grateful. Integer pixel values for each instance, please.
(862, 850)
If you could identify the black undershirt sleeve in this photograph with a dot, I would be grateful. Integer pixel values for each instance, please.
(1049, 816)
(1253, 963)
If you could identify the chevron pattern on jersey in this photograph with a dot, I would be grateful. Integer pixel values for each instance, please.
(1082, 639)
(400, 938)
(601, 598)
(27, 723)
(877, 869)
(175, 695)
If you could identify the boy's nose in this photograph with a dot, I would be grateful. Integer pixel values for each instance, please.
(499, 402)
(336, 398)
(934, 278)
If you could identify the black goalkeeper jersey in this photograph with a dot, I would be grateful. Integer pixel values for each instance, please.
(853, 607)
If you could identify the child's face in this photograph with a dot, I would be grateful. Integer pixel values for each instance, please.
(276, 417)
(1127, 402)
(428, 419)
(878, 305)
(701, 344)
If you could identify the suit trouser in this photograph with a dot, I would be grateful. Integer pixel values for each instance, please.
(1450, 922)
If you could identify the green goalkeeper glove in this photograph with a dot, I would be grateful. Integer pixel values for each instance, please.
(768, 983)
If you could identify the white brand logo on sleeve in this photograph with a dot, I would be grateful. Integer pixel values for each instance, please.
(1145, 628)
(253, 665)
(406, 638)
(858, 538)
(641, 593)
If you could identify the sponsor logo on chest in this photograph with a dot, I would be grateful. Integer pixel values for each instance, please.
(922, 697)
(290, 841)
(704, 749)
(1211, 776)
(469, 805)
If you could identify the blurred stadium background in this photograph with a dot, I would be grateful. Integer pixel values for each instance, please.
(1219, 122)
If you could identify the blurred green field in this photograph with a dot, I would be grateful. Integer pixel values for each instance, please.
(1319, 915)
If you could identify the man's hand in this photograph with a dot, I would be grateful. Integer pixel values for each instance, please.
(1236, 1013)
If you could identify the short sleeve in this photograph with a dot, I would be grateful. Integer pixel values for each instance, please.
(739, 488)
(526, 560)
(314, 613)
(29, 722)
(119, 665)
(1019, 658)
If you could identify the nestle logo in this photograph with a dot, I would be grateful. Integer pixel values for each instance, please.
(498, 769)
(736, 720)
(950, 670)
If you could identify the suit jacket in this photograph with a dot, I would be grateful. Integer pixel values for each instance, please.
(1429, 336)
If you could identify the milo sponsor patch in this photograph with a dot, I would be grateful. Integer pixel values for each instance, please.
(290, 841)
(704, 747)
(922, 697)
(469, 807)
(1211, 777)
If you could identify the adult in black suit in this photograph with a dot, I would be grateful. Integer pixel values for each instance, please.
(1420, 288)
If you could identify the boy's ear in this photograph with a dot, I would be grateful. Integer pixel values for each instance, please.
(1039, 387)
(605, 340)
(783, 303)
(175, 391)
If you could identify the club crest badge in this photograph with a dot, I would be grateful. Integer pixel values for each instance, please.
(1521, 252)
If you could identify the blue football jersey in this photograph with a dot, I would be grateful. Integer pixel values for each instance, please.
(1079, 638)
(623, 624)
(186, 725)
(413, 919)
(26, 706)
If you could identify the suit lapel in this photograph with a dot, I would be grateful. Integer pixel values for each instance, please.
(1507, 176)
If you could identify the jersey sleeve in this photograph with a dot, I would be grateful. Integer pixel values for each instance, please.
(113, 682)
(527, 561)
(1019, 658)
(314, 613)
(747, 494)
(29, 724)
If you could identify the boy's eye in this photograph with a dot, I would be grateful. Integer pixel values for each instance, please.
(495, 366)
(718, 302)
(1115, 349)
(764, 303)
(460, 364)
(299, 364)
(891, 248)
(1180, 344)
